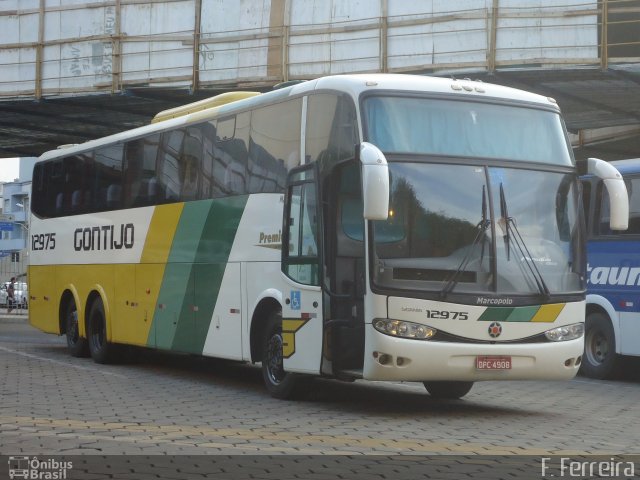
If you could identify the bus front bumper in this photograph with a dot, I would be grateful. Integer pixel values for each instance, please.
(391, 358)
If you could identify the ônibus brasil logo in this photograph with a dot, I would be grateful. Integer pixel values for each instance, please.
(32, 468)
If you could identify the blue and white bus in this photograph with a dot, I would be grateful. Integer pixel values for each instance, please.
(613, 276)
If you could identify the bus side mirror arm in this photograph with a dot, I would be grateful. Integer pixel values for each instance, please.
(616, 189)
(375, 182)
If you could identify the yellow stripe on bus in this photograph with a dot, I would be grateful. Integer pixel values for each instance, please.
(161, 232)
(150, 273)
(548, 313)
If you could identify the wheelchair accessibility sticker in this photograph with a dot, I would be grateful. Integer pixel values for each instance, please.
(295, 299)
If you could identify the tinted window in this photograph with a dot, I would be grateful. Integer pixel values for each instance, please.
(331, 127)
(274, 146)
(301, 259)
(140, 180)
(170, 165)
(230, 157)
(108, 177)
(586, 203)
(466, 129)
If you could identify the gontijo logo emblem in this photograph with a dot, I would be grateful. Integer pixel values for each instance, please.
(495, 329)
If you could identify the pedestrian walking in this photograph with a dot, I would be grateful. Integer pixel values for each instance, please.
(11, 289)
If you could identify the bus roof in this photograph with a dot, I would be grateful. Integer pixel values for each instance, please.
(351, 84)
(421, 83)
(629, 165)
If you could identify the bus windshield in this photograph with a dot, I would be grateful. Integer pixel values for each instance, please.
(465, 129)
(475, 229)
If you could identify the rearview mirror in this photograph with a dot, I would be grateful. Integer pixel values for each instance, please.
(617, 190)
(375, 182)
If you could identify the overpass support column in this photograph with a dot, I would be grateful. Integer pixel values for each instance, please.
(40, 51)
(197, 28)
(493, 36)
(604, 42)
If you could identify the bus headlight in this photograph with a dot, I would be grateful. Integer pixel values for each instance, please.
(397, 328)
(568, 332)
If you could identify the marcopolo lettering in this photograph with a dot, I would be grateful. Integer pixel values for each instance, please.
(494, 301)
(105, 237)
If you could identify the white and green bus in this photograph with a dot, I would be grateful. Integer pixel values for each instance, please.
(432, 232)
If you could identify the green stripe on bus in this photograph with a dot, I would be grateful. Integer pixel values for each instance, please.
(194, 272)
(495, 314)
(509, 314)
(173, 312)
(523, 314)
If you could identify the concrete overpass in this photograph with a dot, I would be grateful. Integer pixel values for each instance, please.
(73, 71)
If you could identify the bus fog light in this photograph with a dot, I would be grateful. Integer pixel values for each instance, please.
(397, 328)
(567, 332)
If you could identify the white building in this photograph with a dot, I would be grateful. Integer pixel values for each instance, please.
(14, 226)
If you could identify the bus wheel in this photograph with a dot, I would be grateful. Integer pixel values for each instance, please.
(600, 359)
(279, 383)
(78, 346)
(448, 390)
(101, 350)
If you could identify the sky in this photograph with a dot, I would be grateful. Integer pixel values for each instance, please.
(9, 169)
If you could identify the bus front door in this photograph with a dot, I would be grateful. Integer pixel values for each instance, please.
(302, 308)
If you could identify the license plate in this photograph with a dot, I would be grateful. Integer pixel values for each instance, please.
(493, 362)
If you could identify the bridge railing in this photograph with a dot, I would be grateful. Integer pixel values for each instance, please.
(116, 45)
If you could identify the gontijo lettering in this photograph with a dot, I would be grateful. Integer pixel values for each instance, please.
(105, 237)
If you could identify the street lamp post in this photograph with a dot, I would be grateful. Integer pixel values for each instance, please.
(25, 227)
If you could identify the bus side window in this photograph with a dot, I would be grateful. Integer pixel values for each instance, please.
(39, 192)
(633, 188)
(190, 166)
(132, 178)
(208, 187)
(585, 192)
(274, 145)
(300, 260)
(78, 171)
(331, 128)
(169, 178)
(231, 156)
(108, 162)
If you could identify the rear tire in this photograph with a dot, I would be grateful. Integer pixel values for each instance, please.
(279, 383)
(101, 350)
(448, 390)
(600, 360)
(78, 346)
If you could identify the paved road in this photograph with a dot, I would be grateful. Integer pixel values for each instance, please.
(51, 403)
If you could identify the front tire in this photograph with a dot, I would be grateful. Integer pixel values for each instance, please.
(101, 350)
(77, 346)
(279, 383)
(448, 390)
(600, 360)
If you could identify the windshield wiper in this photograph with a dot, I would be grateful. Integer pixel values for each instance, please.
(510, 226)
(482, 227)
(504, 216)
